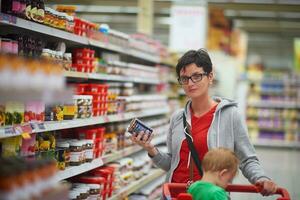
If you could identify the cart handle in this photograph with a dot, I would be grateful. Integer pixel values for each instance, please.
(256, 189)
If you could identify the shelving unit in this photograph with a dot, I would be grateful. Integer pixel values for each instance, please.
(107, 77)
(19, 23)
(13, 24)
(152, 175)
(10, 131)
(76, 170)
(272, 109)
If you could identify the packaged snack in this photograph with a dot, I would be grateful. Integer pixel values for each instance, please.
(10, 146)
(28, 145)
(14, 113)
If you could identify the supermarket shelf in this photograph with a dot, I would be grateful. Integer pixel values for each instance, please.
(148, 97)
(283, 129)
(43, 29)
(275, 81)
(107, 77)
(75, 170)
(10, 131)
(153, 174)
(39, 28)
(276, 144)
(143, 55)
(274, 105)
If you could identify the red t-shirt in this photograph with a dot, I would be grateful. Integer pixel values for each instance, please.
(200, 126)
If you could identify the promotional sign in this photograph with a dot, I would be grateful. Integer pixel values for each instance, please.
(188, 27)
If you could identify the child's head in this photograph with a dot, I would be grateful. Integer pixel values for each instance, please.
(221, 162)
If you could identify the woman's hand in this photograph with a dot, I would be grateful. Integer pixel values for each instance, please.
(144, 140)
(268, 187)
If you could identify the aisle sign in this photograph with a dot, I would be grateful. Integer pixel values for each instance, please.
(188, 27)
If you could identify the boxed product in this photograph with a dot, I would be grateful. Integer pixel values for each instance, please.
(70, 110)
(84, 105)
(54, 112)
(45, 145)
(34, 111)
(10, 146)
(14, 113)
(28, 146)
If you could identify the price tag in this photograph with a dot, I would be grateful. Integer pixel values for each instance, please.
(18, 129)
(41, 126)
(9, 131)
(23, 130)
(26, 135)
(106, 118)
(8, 18)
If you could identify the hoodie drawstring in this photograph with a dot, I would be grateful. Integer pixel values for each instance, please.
(218, 131)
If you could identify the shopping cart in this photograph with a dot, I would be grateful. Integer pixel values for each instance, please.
(177, 191)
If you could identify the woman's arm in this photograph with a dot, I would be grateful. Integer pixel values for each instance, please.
(249, 163)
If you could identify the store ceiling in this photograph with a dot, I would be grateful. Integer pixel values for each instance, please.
(266, 16)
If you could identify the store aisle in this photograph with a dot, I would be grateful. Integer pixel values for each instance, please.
(283, 166)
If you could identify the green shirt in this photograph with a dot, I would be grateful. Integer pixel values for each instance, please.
(207, 191)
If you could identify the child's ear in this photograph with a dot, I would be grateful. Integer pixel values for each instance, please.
(223, 172)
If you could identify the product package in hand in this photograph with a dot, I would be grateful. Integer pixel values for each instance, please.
(137, 126)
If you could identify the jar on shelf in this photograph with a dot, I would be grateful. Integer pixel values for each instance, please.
(89, 150)
(83, 158)
(76, 151)
(95, 190)
(63, 155)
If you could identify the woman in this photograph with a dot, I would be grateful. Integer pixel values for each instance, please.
(213, 122)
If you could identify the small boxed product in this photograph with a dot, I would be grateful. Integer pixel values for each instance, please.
(10, 146)
(34, 111)
(14, 113)
(70, 110)
(45, 145)
(54, 112)
(28, 145)
(84, 105)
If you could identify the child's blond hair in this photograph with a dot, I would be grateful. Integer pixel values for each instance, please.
(218, 159)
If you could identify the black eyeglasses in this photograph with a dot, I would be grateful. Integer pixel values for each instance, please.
(184, 80)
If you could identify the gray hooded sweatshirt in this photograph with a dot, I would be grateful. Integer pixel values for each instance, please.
(227, 130)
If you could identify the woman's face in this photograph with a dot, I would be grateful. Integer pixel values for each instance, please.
(199, 87)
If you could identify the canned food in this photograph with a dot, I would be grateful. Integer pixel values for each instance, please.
(137, 126)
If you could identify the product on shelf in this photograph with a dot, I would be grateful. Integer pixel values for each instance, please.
(272, 108)
(62, 154)
(11, 147)
(84, 60)
(9, 46)
(17, 73)
(95, 184)
(28, 146)
(110, 140)
(34, 111)
(99, 92)
(45, 145)
(21, 179)
(70, 110)
(54, 112)
(84, 105)
(14, 113)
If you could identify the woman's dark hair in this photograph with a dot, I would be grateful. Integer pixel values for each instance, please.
(200, 58)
